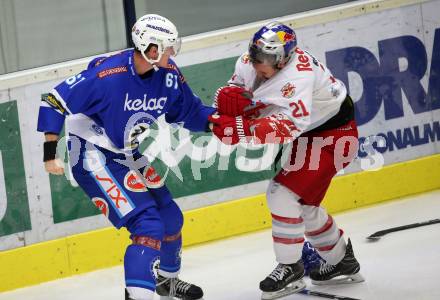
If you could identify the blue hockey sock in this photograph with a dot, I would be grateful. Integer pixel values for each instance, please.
(140, 263)
(170, 254)
(172, 218)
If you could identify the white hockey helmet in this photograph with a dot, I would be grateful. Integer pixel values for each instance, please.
(157, 30)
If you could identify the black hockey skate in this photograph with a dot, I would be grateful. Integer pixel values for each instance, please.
(283, 281)
(168, 288)
(346, 271)
(127, 297)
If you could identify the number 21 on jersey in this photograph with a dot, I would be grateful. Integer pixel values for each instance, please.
(299, 110)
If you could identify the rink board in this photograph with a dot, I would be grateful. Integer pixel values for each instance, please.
(388, 58)
(104, 248)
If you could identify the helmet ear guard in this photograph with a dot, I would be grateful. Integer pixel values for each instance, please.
(157, 30)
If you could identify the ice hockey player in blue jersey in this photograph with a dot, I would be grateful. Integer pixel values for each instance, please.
(105, 108)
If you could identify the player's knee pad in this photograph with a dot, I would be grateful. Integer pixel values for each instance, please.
(172, 219)
(148, 223)
(314, 217)
(282, 201)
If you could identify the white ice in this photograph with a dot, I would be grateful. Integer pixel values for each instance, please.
(402, 265)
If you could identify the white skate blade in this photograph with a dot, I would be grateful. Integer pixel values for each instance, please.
(344, 279)
(291, 288)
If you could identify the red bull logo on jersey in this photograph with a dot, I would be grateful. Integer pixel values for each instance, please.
(101, 205)
(288, 90)
(144, 104)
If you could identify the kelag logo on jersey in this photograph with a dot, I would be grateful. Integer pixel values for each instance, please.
(384, 80)
(144, 104)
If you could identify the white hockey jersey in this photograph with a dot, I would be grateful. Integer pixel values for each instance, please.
(304, 90)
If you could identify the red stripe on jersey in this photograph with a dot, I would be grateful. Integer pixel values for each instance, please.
(324, 228)
(287, 220)
(288, 241)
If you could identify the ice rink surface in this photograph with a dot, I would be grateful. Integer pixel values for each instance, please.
(402, 265)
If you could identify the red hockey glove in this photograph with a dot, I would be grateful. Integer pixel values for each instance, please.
(235, 101)
(275, 129)
(230, 130)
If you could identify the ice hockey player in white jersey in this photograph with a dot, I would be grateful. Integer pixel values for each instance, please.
(282, 94)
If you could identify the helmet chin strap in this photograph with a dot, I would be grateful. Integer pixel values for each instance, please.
(151, 61)
(284, 62)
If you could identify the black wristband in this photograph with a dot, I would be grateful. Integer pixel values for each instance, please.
(50, 150)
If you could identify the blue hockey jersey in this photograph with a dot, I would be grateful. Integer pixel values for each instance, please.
(109, 99)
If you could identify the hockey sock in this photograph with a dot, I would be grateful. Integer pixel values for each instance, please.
(170, 255)
(172, 241)
(140, 264)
